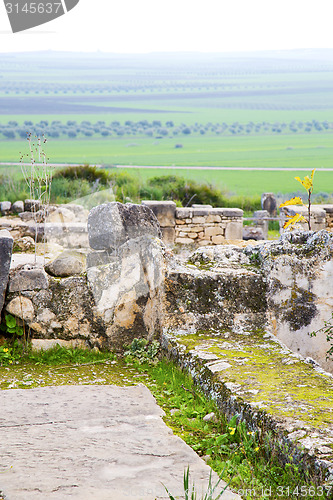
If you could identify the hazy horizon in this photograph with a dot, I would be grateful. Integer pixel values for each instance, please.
(188, 26)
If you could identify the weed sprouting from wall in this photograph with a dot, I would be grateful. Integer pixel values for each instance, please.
(38, 176)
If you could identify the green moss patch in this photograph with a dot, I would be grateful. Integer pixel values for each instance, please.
(267, 376)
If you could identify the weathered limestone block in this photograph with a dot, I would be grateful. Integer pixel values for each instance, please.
(213, 231)
(81, 213)
(234, 230)
(5, 207)
(184, 213)
(112, 224)
(253, 233)
(27, 277)
(196, 228)
(60, 214)
(261, 221)
(201, 210)
(217, 290)
(66, 264)
(213, 218)
(168, 235)
(229, 212)
(183, 240)
(218, 239)
(22, 308)
(298, 269)
(31, 205)
(128, 292)
(165, 211)
(6, 248)
(17, 207)
(198, 219)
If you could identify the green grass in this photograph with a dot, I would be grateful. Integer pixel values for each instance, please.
(186, 90)
(249, 183)
(308, 151)
(227, 446)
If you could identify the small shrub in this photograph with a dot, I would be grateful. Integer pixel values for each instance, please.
(86, 172)
(140, 351)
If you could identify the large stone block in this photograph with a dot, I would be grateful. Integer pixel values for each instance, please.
(165, 211)
(253, 233)
(268, 202)
(66, 264)
(22, 308)
(201, 210)
(6, 248)
(128, 292)
(234, 230)
(168, 235)
(17, 207)
(213, 231)
(27, 277)
(112, 224)
(31, 205)
(5, 207)
(183, 213)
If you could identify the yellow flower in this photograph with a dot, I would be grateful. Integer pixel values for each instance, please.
(10, 361)
(294, 201)
(307, 182)
(232, 430)
(5, 349)
(256, 449)
(293, 219)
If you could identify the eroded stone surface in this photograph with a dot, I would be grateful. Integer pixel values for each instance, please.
(298, 269)
(22, 308)
(66, 264)
(101, 442)
(27, 277)
(112, 224)
(6, 248)
(261, 381)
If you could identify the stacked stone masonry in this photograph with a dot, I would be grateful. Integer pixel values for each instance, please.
(199, 225)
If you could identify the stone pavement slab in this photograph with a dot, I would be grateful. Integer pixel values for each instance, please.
(91, 442)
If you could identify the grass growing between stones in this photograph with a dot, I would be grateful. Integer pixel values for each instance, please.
(226, 446)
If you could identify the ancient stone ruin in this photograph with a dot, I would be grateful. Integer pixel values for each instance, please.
(239, 316)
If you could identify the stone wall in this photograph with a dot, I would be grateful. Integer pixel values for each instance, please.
(198, 225)
(298, 270)
(102, 296)
(329, 216)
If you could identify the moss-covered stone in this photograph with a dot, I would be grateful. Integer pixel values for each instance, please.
(253, 376)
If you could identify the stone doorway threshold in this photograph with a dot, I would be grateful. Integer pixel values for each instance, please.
(92, 442)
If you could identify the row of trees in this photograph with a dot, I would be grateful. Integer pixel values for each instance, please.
(10, 87)
(157, 129)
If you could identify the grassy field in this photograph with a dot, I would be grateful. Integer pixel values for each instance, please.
(199, 91)
(293, 151)
(247, 182)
